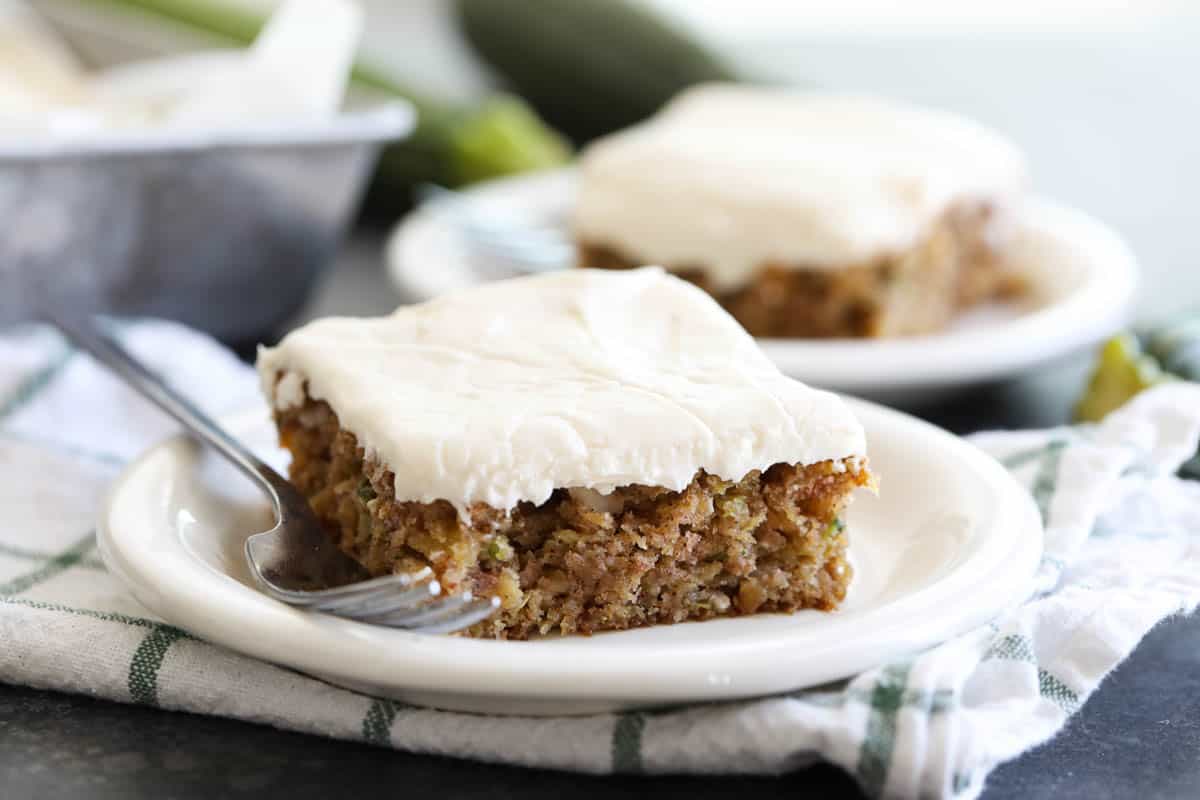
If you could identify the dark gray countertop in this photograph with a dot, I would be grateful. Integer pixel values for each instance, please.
(1139, 735)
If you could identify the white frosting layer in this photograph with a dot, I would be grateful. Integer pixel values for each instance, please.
(728, 177)
(582, 378)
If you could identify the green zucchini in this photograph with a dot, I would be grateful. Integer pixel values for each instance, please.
(588, 67)
(1129, 364)
(1122, 370)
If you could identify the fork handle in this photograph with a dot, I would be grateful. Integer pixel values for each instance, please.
(87, 335)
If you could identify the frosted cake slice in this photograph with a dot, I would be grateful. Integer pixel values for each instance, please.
(807, 214)
(602, 450)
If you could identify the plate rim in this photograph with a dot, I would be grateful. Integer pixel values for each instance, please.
(1094, 310)
(529, 676)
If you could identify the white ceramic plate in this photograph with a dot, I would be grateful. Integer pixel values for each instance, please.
(1083, 278)
(950, 541)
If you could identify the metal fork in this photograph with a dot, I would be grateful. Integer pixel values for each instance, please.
(503, 245)
(295, 562)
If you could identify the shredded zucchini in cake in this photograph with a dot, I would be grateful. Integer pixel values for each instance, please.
(772, 541)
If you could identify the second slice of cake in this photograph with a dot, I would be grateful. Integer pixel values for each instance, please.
(807, 214)
(602, 450)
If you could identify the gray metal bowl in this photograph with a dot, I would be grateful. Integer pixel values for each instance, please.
(225, 232)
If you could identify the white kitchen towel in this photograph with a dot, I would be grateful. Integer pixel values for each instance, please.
(1122, 553)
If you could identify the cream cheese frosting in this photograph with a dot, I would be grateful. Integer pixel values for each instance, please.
(586, 379)
(727, 178)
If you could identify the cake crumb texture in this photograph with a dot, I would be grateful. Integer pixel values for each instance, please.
(583, 561)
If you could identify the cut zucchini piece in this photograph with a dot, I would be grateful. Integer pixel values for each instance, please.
(1121, 372)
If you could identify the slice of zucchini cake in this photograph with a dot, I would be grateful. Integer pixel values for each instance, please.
(601, 450)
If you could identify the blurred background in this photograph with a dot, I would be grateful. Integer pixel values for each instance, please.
(1100, 95)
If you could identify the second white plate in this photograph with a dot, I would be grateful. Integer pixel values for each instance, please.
(1083, 278)
(950, 541)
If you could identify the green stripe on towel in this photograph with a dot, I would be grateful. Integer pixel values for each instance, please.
(377, 724)
(1057, 692)
(103, 616)
(1045, 482)
(35, 384)
(37, 555)
(147, 661)
(627, 742)
(51, 567)
(875, 755)
(1013, 647)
